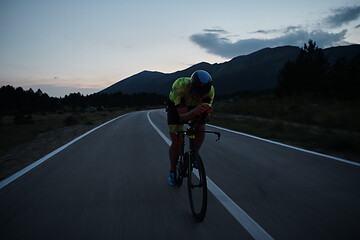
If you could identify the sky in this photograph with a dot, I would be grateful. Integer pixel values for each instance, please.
(84, 46)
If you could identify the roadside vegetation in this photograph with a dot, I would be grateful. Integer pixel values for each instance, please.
(330, 127)
(15, 131)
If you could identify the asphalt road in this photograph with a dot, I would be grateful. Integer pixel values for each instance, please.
(112, 184)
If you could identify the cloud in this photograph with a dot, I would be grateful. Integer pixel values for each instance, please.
(292, 28)
(282, 30)
(343, 15)
(265, 31)
(216, 43)
(215, 30)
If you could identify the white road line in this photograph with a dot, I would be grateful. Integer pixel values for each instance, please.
(158, 130)
(288, 146)
(254, 229)
(40, 161)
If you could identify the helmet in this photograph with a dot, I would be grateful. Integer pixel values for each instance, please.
(200, 83)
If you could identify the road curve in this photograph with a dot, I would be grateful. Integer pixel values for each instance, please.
(111, 184)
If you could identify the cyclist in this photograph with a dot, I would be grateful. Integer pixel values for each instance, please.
(188, 99)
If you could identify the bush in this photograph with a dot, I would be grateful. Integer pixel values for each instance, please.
(73, 119)
(23, 119)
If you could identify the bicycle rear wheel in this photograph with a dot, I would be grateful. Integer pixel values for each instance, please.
(197, 187)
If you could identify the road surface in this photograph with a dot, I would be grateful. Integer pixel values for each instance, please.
(112, 184)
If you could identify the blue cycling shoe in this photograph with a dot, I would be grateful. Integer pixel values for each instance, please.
(172, 179)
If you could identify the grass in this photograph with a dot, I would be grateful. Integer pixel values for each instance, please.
(12, 134)
(326, 126)
(327, 113)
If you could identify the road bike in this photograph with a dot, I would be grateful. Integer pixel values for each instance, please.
(191, 166)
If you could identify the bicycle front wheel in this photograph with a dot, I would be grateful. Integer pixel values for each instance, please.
(179, 171)
(197, 187)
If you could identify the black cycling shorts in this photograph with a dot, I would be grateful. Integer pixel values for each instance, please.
(172, 114)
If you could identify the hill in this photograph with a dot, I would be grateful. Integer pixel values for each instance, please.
(256, 71)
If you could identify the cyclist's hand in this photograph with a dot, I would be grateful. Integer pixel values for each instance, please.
(207, 113)
(209, 110)
(207, 117)
(201, 109)
(198, 111)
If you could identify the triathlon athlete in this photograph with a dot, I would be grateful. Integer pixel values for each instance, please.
(188, 99)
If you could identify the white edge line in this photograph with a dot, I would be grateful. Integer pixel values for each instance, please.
(286, 145)
(254, 229)
(40, 161)
(167, 140)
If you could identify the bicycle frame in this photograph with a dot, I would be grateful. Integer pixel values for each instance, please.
(191, 133)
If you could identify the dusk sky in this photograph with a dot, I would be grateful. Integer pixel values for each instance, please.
(86, 45)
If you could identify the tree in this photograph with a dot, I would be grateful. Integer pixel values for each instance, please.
(307, 74)
(344, 79)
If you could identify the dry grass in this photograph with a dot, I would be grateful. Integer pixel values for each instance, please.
(328, 113)
(344, 144)
(324, 125)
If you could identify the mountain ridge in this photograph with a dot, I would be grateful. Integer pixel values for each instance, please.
(255, 71)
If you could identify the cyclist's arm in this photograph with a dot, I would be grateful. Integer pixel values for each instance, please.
(186, 115)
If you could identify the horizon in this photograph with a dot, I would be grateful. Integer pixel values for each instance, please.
(66, 91)
(86, 92)
(82, 46)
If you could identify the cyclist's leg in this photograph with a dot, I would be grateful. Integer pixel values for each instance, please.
(174, 124)
(175, 147)
(200, 137)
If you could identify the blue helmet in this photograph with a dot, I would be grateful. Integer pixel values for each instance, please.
(200, 83)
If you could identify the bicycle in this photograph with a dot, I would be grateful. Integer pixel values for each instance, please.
(190, 165)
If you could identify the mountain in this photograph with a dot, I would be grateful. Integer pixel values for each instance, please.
(256, 71)
(152, 82)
